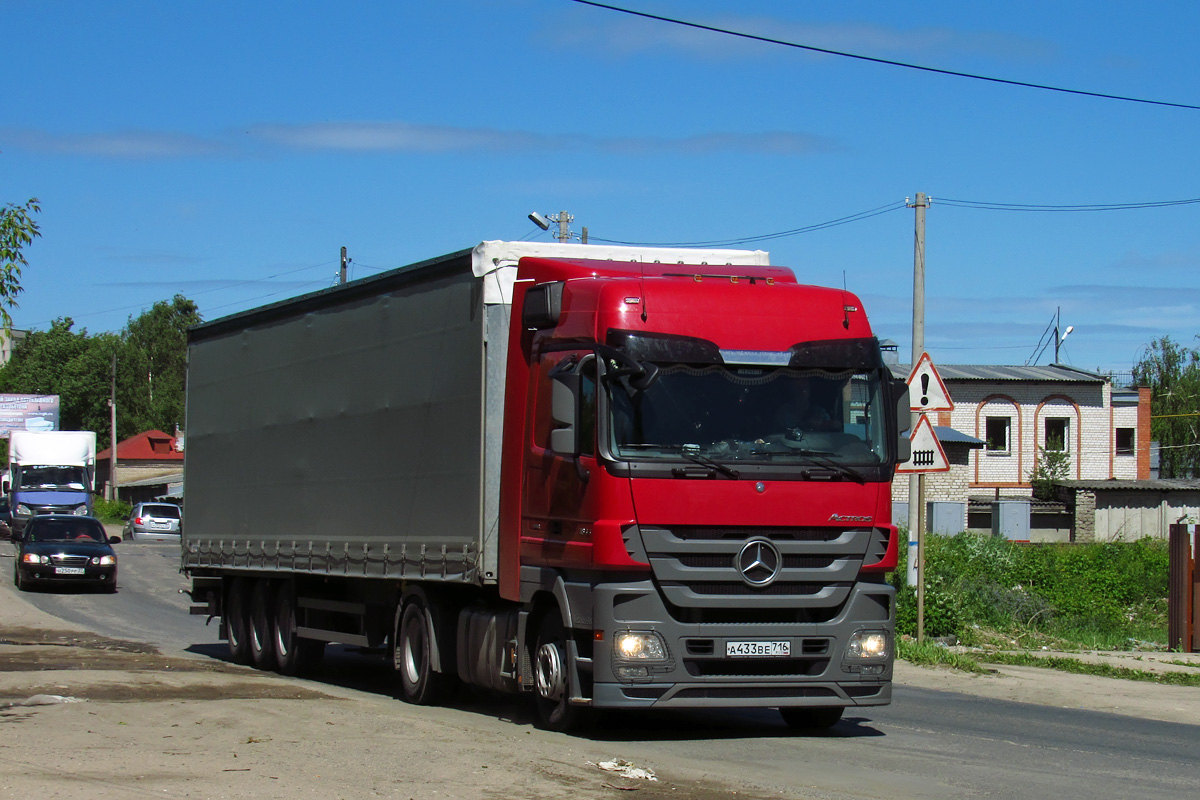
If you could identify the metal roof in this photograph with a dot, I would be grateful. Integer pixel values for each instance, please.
(1159, 485)
(947, 435)
(1056, 373)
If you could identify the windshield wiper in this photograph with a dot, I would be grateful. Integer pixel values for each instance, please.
(689, 451)
(821, 458)
(692, 453)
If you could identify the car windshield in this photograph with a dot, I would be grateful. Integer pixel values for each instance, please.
(43, 530)
(724, 413)
(163, 512)
(52, 477)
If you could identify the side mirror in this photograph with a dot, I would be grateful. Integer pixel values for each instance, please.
(114, 540)
(543, 306)
(564, 410)
(903, 420)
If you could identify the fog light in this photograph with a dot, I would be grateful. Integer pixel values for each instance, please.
(872, 669)
(639, 646)
(633, 672)
(868, 644)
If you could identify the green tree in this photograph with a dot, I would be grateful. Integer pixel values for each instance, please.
(152, 365)
(1052, 466)
(17, 231)
(151, 355)
(67, 363)
(1172, 372)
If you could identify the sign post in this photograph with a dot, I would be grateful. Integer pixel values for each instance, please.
(926, 393)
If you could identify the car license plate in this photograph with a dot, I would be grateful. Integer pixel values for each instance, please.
(160, 525)
(751, 649)
(68, 570)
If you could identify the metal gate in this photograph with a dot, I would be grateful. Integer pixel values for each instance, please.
(1184, 594)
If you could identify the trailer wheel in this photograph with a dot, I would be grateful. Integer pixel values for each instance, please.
(293, 655)
(236, 613)
(812, 719)
(262, 624)
(551, 676)
(419, 683)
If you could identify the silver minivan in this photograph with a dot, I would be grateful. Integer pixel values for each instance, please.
(154, 522)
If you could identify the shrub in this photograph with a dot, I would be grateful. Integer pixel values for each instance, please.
(1090, 593)
(111, 510)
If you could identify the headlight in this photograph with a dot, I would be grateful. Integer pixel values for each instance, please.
(644, 646)
(106, 561)
(34, 558)
(24, 510)
(80, 511)
(868, 644)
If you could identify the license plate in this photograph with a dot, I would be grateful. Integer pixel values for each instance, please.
(752, 649)
(68, 570)
(160, 525)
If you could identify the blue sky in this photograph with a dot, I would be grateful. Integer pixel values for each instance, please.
(227, 151)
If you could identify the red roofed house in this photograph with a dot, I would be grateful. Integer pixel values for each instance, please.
(149, 466)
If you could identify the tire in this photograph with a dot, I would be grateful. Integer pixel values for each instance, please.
(820, 718)
(412, 656)
(261, 627)
(293, 655)
(17, 581)
(237, 621)
(551, 672)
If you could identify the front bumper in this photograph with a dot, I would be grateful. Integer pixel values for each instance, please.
(698, 673)
(105, 575)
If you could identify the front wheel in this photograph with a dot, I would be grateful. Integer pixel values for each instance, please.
(552, 677)
(411, 656)
(820, 718)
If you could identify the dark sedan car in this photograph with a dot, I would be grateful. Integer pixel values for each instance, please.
(63, 549)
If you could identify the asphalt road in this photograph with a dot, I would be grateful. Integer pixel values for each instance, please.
(932, 744)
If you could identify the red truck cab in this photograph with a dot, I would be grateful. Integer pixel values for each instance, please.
(696, 489)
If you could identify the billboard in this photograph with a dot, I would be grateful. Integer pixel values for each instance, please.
(28, 412)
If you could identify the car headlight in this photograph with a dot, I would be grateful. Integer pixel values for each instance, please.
(868, 645)
(80, 511)
(34, 558)
(24, 510)
(104, 561)
(643, 646)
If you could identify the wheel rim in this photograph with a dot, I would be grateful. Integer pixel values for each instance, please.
(413, 650)
(550, 673)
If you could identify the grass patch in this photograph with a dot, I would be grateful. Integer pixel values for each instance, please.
(1065, 664)
(991, 592)
(928, 654)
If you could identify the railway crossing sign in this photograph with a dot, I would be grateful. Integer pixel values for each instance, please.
(926, 392)
(927, 453)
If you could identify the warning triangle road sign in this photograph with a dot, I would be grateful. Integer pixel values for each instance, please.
(927, 453)
(926, 392)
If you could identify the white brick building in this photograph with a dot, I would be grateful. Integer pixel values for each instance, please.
(1019, 412)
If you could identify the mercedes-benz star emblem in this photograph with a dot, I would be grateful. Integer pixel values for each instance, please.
(758, 562)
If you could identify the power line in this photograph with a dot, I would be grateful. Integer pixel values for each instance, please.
(884, 61)
(991, 206)
(833, 223)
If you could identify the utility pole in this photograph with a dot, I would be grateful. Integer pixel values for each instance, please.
(564, 235)
(916, 483)
(110, 491)
(342, 272)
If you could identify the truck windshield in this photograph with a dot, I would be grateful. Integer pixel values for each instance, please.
(56, 477)
(727, 413)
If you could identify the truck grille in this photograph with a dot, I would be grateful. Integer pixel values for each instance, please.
(811, 573)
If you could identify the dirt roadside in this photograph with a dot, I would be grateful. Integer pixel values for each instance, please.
(85, 714)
